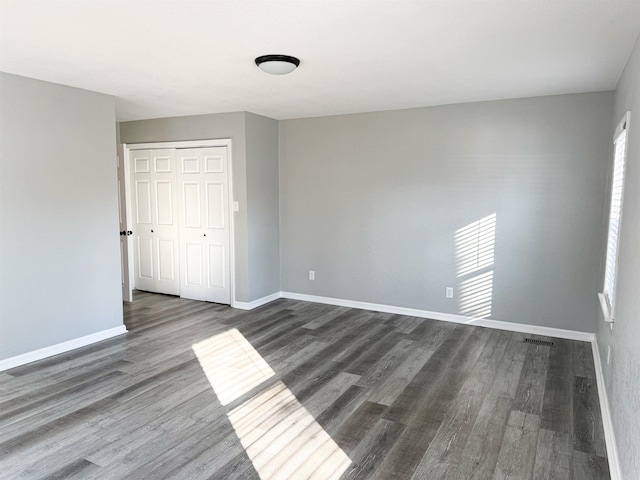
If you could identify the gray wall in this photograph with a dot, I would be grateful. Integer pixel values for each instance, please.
(263, 206)
(204, 127)
(255, 166)
(59, 248)
(623, 375)
(372, 203)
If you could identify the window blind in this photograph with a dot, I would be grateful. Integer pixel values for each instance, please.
(615, 213)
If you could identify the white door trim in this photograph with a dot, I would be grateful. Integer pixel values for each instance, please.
(217, 142)
(128, 222)
(127, 295)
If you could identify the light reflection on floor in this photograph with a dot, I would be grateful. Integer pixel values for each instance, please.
(231, 364)
(280, 436)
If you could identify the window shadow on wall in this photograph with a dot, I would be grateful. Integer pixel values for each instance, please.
(475, 251)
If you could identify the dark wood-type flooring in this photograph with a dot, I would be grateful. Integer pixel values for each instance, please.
(302, 390)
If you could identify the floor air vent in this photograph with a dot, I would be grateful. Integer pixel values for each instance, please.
(544, 343)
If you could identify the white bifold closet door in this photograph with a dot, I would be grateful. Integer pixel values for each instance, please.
(155, 220)
(204, 224)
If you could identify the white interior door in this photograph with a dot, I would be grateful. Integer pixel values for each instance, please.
(155, 232)
(204, 224)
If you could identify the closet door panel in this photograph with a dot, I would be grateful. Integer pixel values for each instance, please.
(191, 205)
(164, 205)
(215, 205)
(165, 228)
(145, 257)
(166, 260)
(217, 267)
(215, 178)
(155, 227)
(204, 226)
(193, 264)
(143, 202)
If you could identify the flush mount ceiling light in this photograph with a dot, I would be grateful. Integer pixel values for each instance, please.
(277, 64)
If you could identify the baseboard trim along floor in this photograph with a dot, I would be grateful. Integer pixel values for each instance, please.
(446, 317)
(257, 303)
(59, 348)
(607, 423)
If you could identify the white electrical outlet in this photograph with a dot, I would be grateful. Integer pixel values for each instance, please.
(608, 354)
(312, 275)
(236, 206)
(449, 292)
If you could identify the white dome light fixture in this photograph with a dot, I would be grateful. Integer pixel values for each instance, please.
(277, 64)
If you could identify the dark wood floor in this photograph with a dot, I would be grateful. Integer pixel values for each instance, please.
(302, 390)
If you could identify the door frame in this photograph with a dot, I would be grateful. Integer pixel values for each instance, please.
(123, 176)
(219, 142)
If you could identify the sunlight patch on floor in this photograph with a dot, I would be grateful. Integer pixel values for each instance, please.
(282, 439)
(231, 364)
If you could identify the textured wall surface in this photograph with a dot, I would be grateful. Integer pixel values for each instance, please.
(392, 207)
(60, 267)
(263, 206)
(623, 375)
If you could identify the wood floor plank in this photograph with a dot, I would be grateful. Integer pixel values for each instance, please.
(336, 392)
(589, 467)
(583, 365)
(436, 395)
(557, 403)
(370, 453)
(384, 365)
(553, 456)
(40, 398)
(455, 352)
(446, 451)
(48, 459)
(518, 453)
(588, 433)
(78, 469)
(369, 360)
(404, 323)
(14, 429)
(532, 381)
(480, 454)
(387, 390)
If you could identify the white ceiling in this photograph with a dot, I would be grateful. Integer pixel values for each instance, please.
(183, 57)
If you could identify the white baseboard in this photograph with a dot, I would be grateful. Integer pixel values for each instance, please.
(58, 348)
(447, 317)
(609, 436)
(257, 303)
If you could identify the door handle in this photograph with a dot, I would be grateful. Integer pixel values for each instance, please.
(123, 233)
(129, 233)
